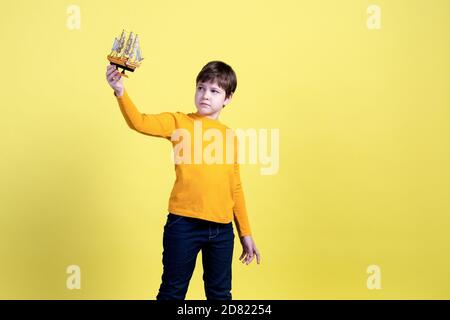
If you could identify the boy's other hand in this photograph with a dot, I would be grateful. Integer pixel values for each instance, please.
(249, 250)
(115, 80)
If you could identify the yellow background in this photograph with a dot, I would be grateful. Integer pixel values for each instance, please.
(364, 145)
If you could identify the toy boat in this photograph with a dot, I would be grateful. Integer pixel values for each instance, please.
(126, 53)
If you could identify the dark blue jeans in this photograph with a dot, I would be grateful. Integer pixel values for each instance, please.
(183, 238)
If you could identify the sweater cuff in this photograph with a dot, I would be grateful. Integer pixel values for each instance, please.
(121, 97)
(244, 235)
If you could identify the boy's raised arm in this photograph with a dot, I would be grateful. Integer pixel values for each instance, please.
(157, 125)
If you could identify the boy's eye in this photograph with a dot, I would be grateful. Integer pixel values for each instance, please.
(215, 91)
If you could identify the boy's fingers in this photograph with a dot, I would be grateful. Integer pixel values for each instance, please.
(112, 71)
(111, 78)
(109, 71)
(242, 255)
(117, 80)
(113, 75)
(109, 75)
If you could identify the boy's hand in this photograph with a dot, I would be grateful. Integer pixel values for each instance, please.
(115, 80)
(249, 250)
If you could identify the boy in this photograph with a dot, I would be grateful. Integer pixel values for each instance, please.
(205, 197)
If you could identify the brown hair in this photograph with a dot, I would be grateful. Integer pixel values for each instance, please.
(220, 72)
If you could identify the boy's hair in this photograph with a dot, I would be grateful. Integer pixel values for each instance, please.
(220, 72)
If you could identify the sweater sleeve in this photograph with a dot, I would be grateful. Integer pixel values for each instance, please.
(239, 210)
(157, 125)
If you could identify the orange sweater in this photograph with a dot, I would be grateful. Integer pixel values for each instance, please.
(208, 191)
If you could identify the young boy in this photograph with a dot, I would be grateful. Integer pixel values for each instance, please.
(206, 197)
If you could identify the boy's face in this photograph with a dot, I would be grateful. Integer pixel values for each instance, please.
(210, 99)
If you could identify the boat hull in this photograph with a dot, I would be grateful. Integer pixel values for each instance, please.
(123, 63)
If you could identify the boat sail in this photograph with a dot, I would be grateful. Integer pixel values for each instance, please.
(115, 46)
(135, 54)
(125, 52)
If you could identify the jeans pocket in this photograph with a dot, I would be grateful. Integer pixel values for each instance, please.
(172, 219)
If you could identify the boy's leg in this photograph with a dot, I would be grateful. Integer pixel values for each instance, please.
(217, 255)
(181, 242)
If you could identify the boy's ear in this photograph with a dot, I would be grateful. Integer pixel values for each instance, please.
(227, 100)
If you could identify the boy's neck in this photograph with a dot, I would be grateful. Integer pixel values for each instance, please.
(212, 117)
